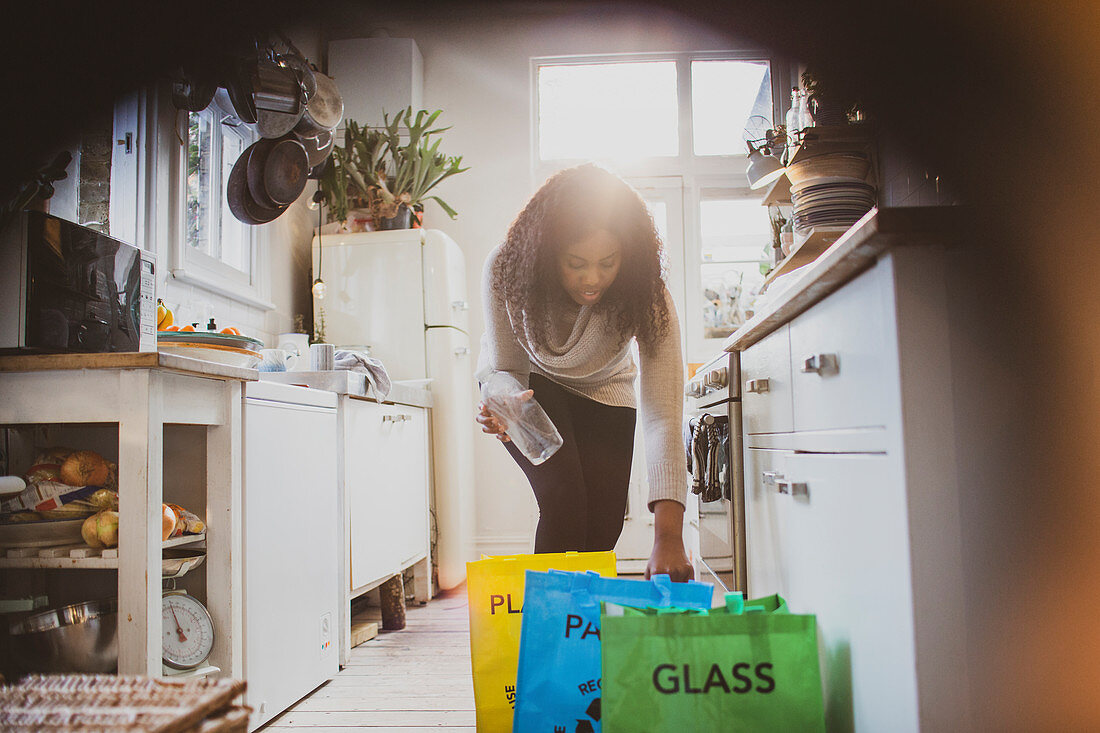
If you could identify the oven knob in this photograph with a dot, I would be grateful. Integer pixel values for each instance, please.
(716, 378)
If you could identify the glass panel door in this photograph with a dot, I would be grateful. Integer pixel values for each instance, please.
(725, 273)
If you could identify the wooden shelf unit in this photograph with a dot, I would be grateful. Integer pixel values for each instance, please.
(803, 253)
(140, 394)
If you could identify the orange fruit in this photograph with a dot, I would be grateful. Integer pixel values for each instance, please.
(188, 328)
(231, 331)
(172, 328)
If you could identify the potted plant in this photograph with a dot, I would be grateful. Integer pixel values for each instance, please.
(390, 169)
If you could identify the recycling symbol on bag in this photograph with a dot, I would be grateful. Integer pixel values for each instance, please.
(593, 711)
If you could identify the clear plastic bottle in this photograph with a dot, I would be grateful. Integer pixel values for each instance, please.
(526, 423)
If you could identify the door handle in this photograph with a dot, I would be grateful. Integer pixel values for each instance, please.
(758, 386)
(821, 364)
(401, 417)
(770, 478)
(460, 305)
(462, 351)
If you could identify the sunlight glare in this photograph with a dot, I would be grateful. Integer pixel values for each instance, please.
(607, 111)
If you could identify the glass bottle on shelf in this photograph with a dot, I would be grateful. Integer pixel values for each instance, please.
(794, 122)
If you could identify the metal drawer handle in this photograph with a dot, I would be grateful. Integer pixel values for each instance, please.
(460, 305)
(783, 486)
(758, 386)
(794, 488)
(820, 364)
(462, 351)
(396, 418)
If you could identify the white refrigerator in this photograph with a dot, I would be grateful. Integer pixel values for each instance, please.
(403, 294)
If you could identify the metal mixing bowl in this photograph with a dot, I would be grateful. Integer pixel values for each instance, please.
(81, 638)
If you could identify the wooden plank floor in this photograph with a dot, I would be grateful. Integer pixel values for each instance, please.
(417, 679)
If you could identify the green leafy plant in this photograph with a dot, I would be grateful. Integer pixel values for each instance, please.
(398, 163)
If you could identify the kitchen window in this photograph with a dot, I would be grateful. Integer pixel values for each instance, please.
(214, 250)
(675, 126)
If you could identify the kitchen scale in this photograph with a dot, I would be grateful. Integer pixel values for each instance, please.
(188, 631)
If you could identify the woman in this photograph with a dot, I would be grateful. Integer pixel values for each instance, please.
(576, 280)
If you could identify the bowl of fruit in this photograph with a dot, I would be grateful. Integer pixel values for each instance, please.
(224, 346)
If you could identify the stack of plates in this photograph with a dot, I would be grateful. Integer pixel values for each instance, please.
(222, 348)
(830, 201)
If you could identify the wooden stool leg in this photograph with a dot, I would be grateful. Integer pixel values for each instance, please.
(392, 599)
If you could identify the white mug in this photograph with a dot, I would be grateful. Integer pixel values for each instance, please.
(297, 344)
(276, 360)
(322, 357)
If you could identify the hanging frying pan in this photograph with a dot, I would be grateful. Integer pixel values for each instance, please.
(277, 171)
(238, 85)
(325, 109)
(193, 93)
(257, 159)
(285, 171)
(241, 203)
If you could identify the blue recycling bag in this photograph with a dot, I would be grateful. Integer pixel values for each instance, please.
(558, 686)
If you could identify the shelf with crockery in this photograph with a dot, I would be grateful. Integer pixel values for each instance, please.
(827, 184)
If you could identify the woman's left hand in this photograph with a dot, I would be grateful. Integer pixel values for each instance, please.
(668, 556)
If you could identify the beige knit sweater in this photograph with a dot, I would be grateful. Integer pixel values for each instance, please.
(587, 355)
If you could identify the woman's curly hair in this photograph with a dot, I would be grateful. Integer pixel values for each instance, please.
(572, 204)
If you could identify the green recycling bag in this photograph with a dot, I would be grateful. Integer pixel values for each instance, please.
(750, 666)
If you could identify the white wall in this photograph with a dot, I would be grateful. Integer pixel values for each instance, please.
(477, 70)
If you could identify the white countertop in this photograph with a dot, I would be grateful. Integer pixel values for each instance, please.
(354, 384)
(855, 251)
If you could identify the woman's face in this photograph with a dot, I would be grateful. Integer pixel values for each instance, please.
(589, 266)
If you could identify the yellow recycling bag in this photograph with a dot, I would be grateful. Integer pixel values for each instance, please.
(494, 588)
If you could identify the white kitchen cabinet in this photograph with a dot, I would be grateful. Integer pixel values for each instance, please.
(291, 575)
(852, 513)
(839, 358)
(837, 546)
(386, 482)
(383, 479)
(766, 385)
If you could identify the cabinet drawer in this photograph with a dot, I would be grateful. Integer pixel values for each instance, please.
(766, 384)
(765, 522)
(846, 560)
(841, 358)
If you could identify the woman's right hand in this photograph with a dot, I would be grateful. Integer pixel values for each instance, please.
(492, 424)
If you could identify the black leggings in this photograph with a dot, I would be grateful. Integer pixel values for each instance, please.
(581, 490)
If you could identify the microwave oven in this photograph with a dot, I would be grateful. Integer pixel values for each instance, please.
(67, 288)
